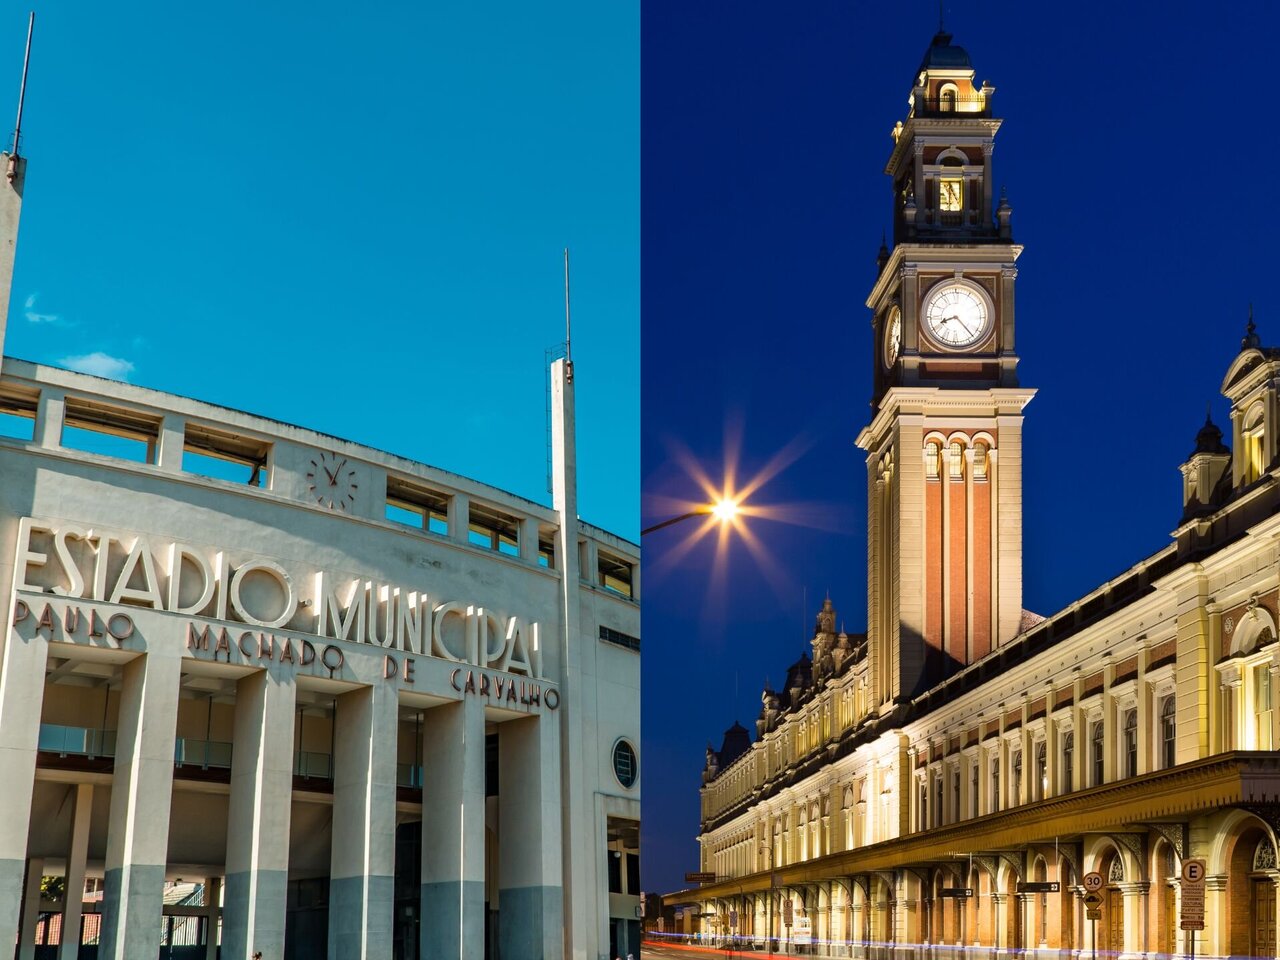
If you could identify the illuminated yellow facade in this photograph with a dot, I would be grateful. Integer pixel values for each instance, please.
(925, 785)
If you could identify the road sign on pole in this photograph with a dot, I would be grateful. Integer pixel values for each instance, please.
(786, 912)
(1192, 913)
(1093, 882)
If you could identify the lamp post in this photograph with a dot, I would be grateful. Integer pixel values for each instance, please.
(722, 510)
(767, 847)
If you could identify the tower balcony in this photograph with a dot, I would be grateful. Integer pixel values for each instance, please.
(948, 106)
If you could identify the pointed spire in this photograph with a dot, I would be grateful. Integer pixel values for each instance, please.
(1251, 339)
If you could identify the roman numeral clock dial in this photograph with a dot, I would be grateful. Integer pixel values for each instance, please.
(956, 314)
(332, 482)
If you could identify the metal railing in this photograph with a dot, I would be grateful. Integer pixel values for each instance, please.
(76, 741)
(952, 106)
(202, 753)
(311, 764)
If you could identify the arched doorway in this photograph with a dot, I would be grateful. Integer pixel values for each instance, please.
(1164, 871)
(1110, 927)
(1251, 874)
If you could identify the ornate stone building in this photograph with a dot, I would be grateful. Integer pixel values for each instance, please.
(906, 787)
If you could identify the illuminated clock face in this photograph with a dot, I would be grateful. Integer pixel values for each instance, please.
(331, 481)
(956, 314)
(892, 337)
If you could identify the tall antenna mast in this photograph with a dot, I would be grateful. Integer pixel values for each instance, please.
(568, 352)
(22, 90)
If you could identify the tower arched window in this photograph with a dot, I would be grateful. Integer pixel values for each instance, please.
(948, 98)
(1252, 437)
(1168, 732)
(1099, 768)
(1131, 743)
(1262, 706)
(980, 451)
(1068, 761)
(932, 456)
(955, 457)
(1041, 785)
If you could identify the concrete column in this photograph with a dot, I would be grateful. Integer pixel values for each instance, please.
(22, 666)
(590, 562)
(212, 896)
(30, 909)
(10, 215)
(50, 411)
(141, 791)
(258, 815)
(453, 835)
(362, 865)
(172, 440)
(459, 517)
(530, 896)
(529, 539)
(73, 903)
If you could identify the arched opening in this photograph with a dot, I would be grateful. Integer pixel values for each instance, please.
(948, 98)
(1168, 732)
(1252, 438)
(1130, 757)
(1039, 932)
(1110, 927)
(1164, 872)
(1251, 891)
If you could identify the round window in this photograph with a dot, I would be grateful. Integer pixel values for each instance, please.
(624, 763)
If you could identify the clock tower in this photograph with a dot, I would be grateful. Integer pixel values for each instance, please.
(944, 445)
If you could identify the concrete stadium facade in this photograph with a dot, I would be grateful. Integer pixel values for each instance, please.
(353, 705)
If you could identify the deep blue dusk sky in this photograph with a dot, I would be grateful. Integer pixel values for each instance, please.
(1137, 149)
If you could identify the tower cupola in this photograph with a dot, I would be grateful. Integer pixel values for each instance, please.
(1203, 471)
(1252, 384)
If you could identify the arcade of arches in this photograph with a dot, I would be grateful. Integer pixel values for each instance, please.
(978, 900)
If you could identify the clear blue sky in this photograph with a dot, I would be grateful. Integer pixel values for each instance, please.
(344, 216)
(1136, 148)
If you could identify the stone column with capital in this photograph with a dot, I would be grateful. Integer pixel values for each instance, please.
(1134, 895)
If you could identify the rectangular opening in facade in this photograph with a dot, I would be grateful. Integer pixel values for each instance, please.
(94, 427)
(417, 506)
(210, 452)
(205, 729)
(614, 573)
(618, 637)
(409, 750)
(493, 530)
(79, 715)
(18, 413)
(547, 547)
(313, 742)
